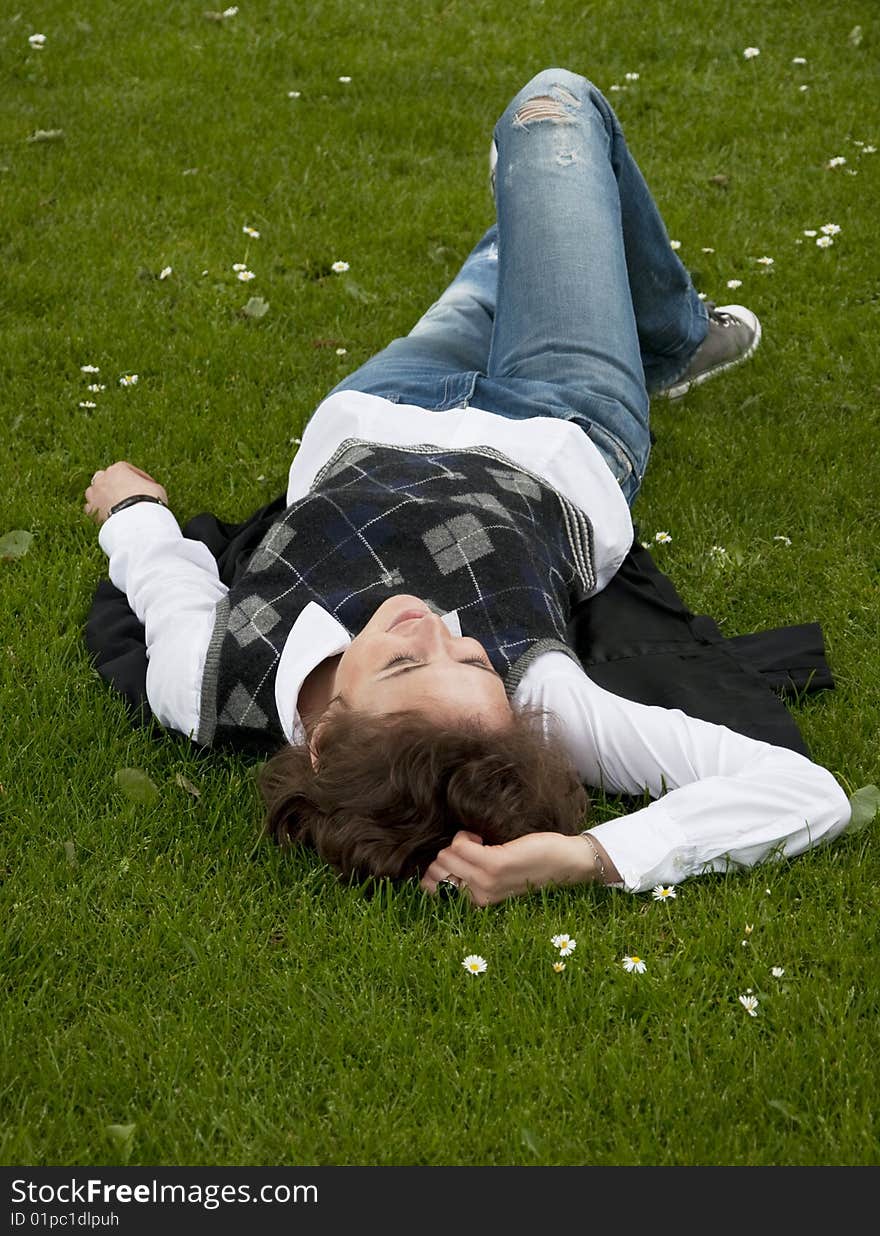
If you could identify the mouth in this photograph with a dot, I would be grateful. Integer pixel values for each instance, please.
(407, 616)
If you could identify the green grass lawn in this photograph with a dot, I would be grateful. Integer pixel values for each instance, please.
(177, 992)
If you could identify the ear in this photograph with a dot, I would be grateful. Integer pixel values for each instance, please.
(313, 746)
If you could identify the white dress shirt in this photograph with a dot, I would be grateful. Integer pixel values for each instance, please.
(721, 800)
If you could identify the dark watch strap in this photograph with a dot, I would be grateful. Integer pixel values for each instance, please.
(120, 506)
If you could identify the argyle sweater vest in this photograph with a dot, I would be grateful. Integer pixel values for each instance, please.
(465, 530)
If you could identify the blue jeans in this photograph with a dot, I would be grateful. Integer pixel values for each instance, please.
(573, 304)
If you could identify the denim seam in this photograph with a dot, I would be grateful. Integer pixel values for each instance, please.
(698, 311)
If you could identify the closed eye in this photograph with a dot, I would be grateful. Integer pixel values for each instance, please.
(414, 663)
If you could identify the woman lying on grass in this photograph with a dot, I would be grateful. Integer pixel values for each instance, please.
(401, 629)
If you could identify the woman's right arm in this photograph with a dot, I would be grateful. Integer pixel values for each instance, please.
(173, 587)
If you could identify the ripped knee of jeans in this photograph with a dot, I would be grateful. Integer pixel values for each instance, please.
(554, 108)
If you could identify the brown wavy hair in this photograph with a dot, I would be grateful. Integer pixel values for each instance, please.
(392, 790)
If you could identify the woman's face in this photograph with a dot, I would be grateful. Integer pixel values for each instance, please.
(406, 659)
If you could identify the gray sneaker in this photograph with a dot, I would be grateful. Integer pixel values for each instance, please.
(734, 334)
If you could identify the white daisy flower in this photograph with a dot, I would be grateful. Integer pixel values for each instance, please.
(631, 77)
(96, 387)
(245, 276)
(751, 52)
(231, 11)
(675, 244)
(786, 540)
(165, 272)
(251, 231)
(707, 249)
(663, 893)
(559, 966)
(749, 929)
(634, 965)
(128, 379)
(777, 971)
(37, 41)
(662, 538)
(339, 268)
(616, 87)
(836, 161)
(237, 266)
(824, 242)
(345, 79)
(89, 369)
(565, 944)
(341, 351)
(294, 94)
(869, 150)
(474, 964)
(799, 60)
(733, 284)
(765, 261)
(702, 296)
(802, 88)
(830, 229)
(750, 1004)
(718, 551)
(87, 403)
(296, 441)
(810, 231)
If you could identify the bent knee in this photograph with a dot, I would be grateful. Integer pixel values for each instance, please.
(575, 85)
(553, 95)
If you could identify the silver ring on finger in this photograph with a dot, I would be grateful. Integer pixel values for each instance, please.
(450, 885)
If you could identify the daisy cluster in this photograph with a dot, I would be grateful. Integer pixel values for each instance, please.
(96, 387)
(749, 1000)
(823, 236)
(343, 78)
(633, 963)
(565, 946)
(242, 273)
(718, 553)
(660, 538)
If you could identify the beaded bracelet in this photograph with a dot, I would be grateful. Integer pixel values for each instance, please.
(596, 855)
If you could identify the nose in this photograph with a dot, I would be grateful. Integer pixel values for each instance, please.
(427, 635)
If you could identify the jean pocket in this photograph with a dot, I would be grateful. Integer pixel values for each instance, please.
(611, 449)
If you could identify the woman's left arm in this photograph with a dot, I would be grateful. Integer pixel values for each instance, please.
(721, 800)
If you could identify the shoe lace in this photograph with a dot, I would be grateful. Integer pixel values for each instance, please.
(718, 316)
